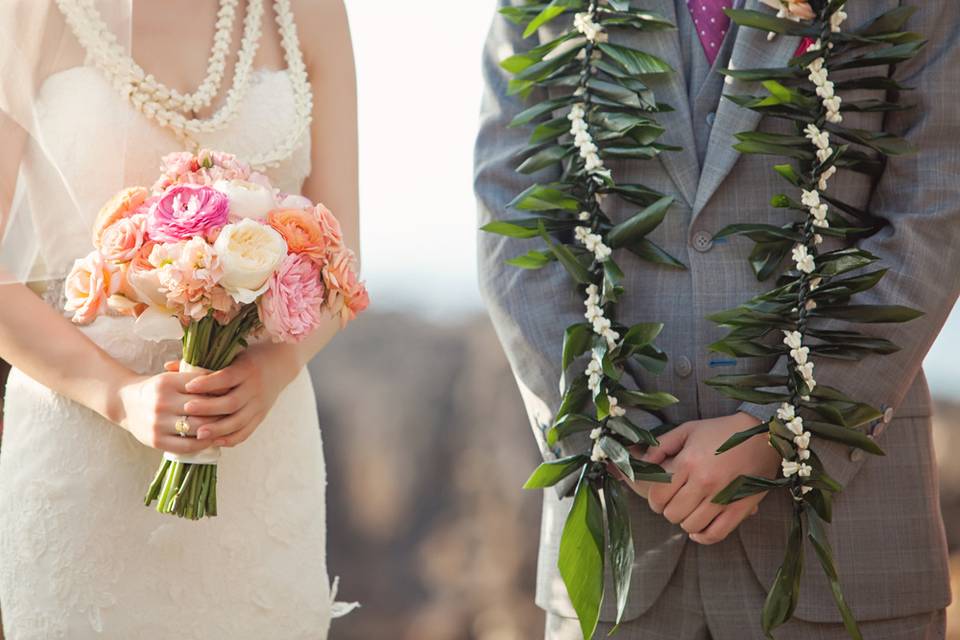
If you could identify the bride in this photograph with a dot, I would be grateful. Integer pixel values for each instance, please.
(92, 94)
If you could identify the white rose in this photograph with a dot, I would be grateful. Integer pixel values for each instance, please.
(249, 253)
(247, 199)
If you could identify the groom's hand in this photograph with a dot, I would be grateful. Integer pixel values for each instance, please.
(689, 453)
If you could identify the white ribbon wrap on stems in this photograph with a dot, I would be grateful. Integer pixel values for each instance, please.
(207, 456)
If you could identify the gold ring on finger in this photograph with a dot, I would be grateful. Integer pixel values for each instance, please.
(182, 427)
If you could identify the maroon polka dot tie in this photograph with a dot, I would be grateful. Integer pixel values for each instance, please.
(711, 23)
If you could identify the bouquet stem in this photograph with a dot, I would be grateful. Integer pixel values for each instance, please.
(186, 486)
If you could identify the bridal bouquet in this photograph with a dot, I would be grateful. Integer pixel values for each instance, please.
(213, 254)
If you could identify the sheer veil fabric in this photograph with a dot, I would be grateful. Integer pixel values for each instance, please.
(56, 188)
(80, 556)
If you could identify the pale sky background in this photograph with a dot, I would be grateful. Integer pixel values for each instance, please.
(419, 92)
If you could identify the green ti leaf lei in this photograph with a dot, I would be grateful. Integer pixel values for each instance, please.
(604, 111)
(787, 321)
(610, 114)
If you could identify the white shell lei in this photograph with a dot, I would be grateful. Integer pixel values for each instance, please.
(169, 108)
(803, 255)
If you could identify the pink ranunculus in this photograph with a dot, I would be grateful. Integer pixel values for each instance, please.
(90, 283)
(185, 211)
(188, 273)
(121, 240)
(293, 305)
(346, 293)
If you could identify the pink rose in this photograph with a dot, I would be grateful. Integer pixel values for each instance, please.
(90, 283)
(347, 294)
(121, 240)
(205, 168)
(292, 306)
(185, 211)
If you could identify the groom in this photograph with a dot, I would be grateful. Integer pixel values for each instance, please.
(702, 573)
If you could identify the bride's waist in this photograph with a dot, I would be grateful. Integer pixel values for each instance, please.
(115, 335)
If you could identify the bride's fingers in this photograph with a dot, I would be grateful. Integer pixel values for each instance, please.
(237, 437)
(216, 405)
(218, 381)
(225, 426)
(172, 366)
(177, 444)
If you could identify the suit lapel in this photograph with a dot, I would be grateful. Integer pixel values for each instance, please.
(683, 166)
(750, 50)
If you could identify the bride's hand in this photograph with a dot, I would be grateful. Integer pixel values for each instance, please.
(151, 407)
(238, 398)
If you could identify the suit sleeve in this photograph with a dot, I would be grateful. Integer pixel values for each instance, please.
(530, 309)
(919, 196)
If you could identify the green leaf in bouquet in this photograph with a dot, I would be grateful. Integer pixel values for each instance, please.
(639, 225)
(642, 334)
(550, 473)
(568, 425)
(881, 57)
(783, 595)
(620, 541)
(581, 557)
(612, 277)
(520, 61)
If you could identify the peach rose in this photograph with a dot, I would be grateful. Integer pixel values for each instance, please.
(346, 293)
(121, 240)
(302, 231)
(330, 227)
(90, 283)
(120, 206)
(142, 280)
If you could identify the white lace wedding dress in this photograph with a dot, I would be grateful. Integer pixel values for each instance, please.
(80, 555)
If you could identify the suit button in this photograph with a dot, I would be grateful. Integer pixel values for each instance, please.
(711, 117)
(683, 366)
(702, 241)
(888, 416)
(856, 455)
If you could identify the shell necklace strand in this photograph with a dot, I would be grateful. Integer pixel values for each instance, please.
(171, 109)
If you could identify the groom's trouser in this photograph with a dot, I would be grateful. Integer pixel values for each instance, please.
(714, 595)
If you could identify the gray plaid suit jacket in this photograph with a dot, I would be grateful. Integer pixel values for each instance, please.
(887, 532)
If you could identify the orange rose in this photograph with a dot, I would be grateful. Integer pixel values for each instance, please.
(301, 230)
(122, 205)
(141, 280)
